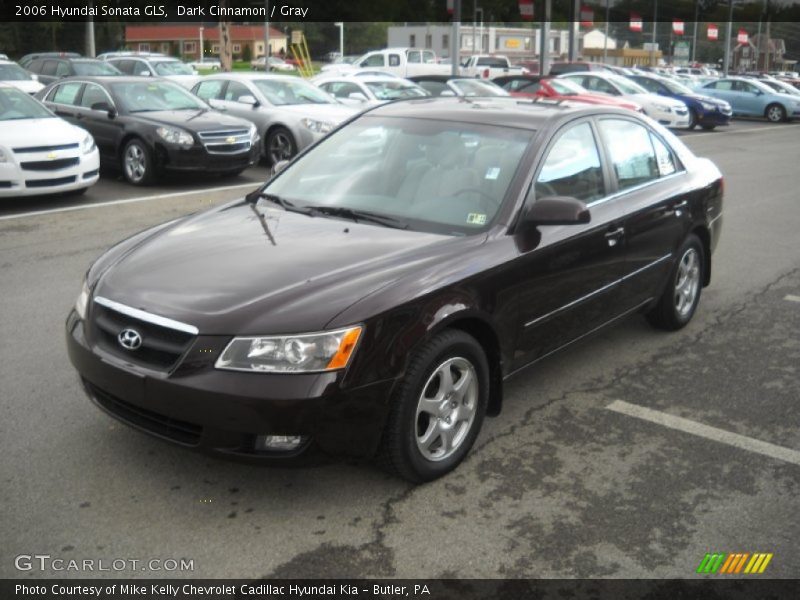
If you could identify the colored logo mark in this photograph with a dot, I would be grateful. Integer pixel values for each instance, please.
(733, 563)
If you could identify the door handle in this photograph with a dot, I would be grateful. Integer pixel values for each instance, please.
(679, 208)
(614, 236)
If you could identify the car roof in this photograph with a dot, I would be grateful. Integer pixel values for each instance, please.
(246, 75)
(101, 79)
(361, 79)
(504, 111)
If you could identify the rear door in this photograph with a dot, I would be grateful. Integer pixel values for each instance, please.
(63, 99)
(655, 211)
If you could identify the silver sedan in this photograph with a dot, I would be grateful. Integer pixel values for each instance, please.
(289, 112)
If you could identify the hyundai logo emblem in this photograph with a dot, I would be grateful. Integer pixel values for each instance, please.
(129, 339)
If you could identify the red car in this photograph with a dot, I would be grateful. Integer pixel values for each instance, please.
(531, 86)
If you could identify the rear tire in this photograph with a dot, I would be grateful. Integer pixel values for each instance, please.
(438, 409)
(775, 113)
(678, 303)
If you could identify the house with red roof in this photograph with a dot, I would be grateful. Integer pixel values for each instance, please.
(184, 40)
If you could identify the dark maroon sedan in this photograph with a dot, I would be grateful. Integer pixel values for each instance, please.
(374, 296)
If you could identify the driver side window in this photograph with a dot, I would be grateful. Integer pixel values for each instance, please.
(572, 167)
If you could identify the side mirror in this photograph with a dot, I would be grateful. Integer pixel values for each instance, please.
(144, 73)
(278, 167)
(357, 96)
(216, 104)
(105, 106)
(249, 100)
(557, 210)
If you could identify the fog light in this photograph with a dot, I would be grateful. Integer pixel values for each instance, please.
(279, 442)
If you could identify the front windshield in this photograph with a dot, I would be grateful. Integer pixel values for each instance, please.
(172, 67)
(476, 87)
(95, 68)
(626, 86)
(439, 176)
(11, 72)
(566, 87)
(675, 86)
(284, 92)
(155, 95)
(394, 90)
(16, 105)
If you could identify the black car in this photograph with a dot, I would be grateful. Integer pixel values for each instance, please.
(28, 58)
(148, 126)
(373, 297)
(50, 69)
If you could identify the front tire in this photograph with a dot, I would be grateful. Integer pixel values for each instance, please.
(775, 113)
(438, 410)
(678, 303)
(709, 127)
(137, 163)
(279, 145)
(692, 119)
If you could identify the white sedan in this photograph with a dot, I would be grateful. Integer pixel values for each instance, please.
(368, 91)
(40, 153)
(12, 74)
(667, 111)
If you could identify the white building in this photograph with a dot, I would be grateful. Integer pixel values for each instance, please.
(597, 39)
(517, 43)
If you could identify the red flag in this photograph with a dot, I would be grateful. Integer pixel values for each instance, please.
(742, 37)
(526, 9)
(636, 22)
(677, 27)
(450, 9)
(587, 16)
(713, 32)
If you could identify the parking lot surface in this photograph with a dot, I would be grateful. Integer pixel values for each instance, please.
(631, 455)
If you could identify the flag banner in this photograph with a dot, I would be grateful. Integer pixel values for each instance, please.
(677, 27)
(713, 32)
(587, 16)
(526, 9)
(742, 37)
(636, 22)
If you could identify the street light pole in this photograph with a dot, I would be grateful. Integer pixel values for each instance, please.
(340, 25)
(266, 36)
(726, 64)
(653, 42)
(201, 45)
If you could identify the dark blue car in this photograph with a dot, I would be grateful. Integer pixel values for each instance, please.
(705, 111)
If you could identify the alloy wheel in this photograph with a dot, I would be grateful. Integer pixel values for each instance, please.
(446, 408)
(135, 163)
(687, 282)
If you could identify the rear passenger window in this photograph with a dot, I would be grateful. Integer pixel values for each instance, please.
(49, 67)
(66, 93)
(664, 158)
(572, 167)
(631, 152)
(209, 90)
(62, 69)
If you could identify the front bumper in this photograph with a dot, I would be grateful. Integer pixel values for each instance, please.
(223, 412)
(16, 180)
(198, 159)
(672, 119)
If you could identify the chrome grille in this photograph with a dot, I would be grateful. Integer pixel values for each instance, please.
(31, 149)
(226, 141)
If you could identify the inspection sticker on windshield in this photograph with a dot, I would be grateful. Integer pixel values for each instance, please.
(492, 173)
(476, 219)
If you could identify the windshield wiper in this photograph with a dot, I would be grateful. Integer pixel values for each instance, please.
(282, 202)
(360, 215)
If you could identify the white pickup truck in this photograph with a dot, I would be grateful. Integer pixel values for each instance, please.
(485, 66)
(403, 62)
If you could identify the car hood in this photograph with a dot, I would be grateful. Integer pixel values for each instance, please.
(29, 86)
(39, 132)
(186, 81)
(194, 120)
(652, 99)
(333, 113)
(229, 272)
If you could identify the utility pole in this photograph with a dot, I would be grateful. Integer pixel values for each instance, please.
(605, 40)
(90, 49)
(455, 43)
(474, 23)
(694, 35)
(726, 63)
(544, 41)
(266, 37)
(653, 62)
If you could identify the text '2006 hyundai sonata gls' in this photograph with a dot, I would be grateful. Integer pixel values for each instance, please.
(374, 295)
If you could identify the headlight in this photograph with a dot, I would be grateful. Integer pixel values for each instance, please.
(3, 156)
(708, 106)
(317, 126)
(173, 135)
(83, 300)
(662, 107)
(253, 134)
(323, 351)
(87, 145)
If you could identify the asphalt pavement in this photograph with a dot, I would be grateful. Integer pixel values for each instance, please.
(631, 455)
